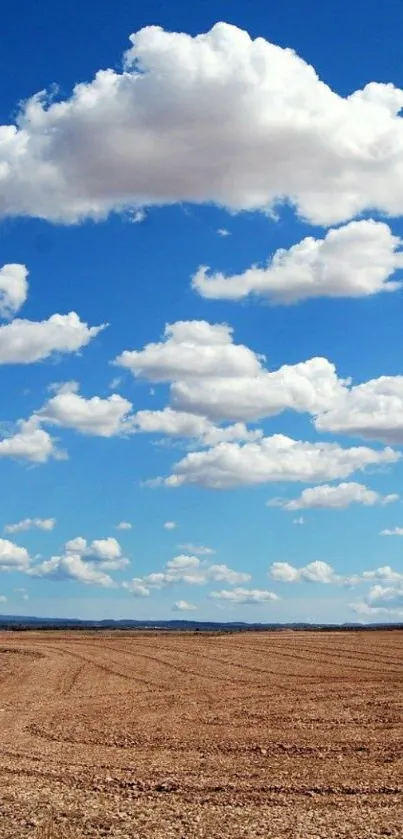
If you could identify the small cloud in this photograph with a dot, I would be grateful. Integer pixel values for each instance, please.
(222, 231)
(22, 592)
(137, 587)
(3, 599)
(299, 520)
(30, 524)
(170, 525)
(395, 531)
(138, 216)
(124, 525)
(183, 606)
(115, 382)
(197, 550)
(244, 596)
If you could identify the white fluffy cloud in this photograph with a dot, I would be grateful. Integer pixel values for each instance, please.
(12, 557)
(276, 458)
(72, 567)
(173, 423)
(30, 442)
(105, 553)
(382, 600)
(111, 416)
(386, 574)
(373, 410)
(352, 261)
(94, 416)
(191, 570)
(214, 118)
(107, 549)
(13, 289)
(335, 497)
(182, 424)
(214, 378)
(26, 341)
(137, 587)
(322, 572)
(223, 574)
(170, 525)
(30, 524)
(309, 386)
(85, 562)
(315, 572)
(124, 525)
(191, 349)
(245, 596)
(180, 569)
(77, 545)
(183, 606)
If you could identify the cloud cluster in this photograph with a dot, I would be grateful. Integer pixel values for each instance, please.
(217, 117)
(213, 377)
(356, 260)
(27, 342)
(385, 597)
(89, 563)
(224, 382)
(214, 380)
(186, 569)
(109, 417)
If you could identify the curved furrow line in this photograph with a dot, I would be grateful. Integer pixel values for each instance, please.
(186, 670)
(337, 660)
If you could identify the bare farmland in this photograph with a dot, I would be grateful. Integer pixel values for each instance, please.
(275, 735)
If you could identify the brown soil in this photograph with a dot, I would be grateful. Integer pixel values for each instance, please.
(275, 735)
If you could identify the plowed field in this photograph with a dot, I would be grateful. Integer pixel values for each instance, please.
(201, 736)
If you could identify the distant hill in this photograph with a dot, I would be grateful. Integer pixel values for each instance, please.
(18, 622)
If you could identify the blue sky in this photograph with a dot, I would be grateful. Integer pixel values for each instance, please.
(225, 223)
